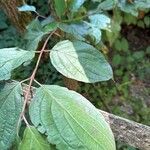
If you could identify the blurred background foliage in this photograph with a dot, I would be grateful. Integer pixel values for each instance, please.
(127, 48)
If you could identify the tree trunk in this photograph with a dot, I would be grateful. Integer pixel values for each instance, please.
(19, 19)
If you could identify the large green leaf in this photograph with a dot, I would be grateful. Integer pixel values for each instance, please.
(11, 103)
(69, 120)
(33, 140)
(80, 61)
(60, 7)
(11, 58)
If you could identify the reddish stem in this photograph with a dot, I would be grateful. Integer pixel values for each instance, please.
(32, 77)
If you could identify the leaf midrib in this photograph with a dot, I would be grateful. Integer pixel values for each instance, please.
(70, 115)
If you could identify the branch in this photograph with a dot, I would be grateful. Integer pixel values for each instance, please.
(129, 132)
(28, 90)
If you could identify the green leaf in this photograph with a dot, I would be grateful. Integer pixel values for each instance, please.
(82, 30)
(33, 140)
(60, 7)
(142, 4)
(78, 30)
(16, 142)
(117, 60)
(147, 21)
(80, 61)
(93, 32)
(130, 19)
(76, 4)
(69, 120)
(107, 5)
(100, 21)
(11, 103)
(96, 0)
(128, 7)
(124, 44)
(51, 27)
(33, 35)
(27, 8)
(115, 27)
(133, 8)
(12, 58)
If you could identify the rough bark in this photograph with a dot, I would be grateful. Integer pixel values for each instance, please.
(19, 19)
(129, 132)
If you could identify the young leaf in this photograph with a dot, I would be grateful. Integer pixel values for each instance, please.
(128, 7)
(76, 4)
(107, 5)
(50, 27)
(60, 7)
(81, 30)
(12, 58)
(11, 103)
(100, 21)
(33, 140)
(78, 30)
(27, 8)
(115, 27)
(93, 32)
(80, 61)
(70, 121)
(33, 35)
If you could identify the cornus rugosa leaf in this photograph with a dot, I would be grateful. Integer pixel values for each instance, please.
(81, 30)
(100, 21)
(27, 8)
(33, 140)
(107, 5)
(133, 6)
(76, 4)
(60, 7)
(69, 120)
(11, 58)
(10, 108)
(80, 61)
(34, 35)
